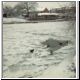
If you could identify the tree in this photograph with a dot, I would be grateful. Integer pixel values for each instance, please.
(69, 10)
(25, 7)
(8, 10)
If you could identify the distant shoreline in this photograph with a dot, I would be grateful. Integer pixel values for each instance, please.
(35, 21)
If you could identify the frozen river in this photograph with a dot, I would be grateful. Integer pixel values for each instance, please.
(19, 39)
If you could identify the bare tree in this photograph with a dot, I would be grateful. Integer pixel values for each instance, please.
(8, 10)
(25, 7)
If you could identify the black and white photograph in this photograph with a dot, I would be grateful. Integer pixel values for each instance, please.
(39, 39)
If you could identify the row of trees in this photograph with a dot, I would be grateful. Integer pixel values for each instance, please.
(69, 11)
(20, 8)
(23, 8)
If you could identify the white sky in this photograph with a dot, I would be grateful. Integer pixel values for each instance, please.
(42, 5)
(50, 5)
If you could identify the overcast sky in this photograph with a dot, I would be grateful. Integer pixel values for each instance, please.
(42, 5)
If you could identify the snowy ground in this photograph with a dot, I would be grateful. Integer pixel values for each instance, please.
(13, 20)
(19, 39)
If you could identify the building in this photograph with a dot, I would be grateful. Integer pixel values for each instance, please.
(43, 15)
(47, 16)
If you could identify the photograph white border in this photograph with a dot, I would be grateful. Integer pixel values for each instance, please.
(77, 39)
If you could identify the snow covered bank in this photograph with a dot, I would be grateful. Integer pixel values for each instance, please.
(13, 20)
(66, 69)
(22, 20)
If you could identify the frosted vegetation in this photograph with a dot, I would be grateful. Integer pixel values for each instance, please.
(39, 50)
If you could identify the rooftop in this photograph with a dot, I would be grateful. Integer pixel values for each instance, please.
(40, 14)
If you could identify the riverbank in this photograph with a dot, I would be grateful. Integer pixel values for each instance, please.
(22, 21)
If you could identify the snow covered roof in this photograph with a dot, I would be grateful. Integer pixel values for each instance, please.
(40, 14)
